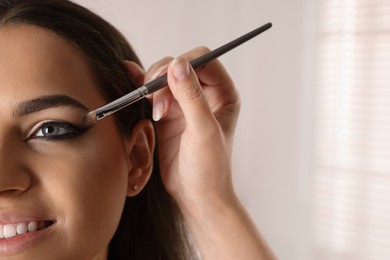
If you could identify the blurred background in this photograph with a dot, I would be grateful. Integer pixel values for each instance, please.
(312, 149)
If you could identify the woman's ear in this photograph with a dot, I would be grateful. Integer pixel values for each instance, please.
(140, 147)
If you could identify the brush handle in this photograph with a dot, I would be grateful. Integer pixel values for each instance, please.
(161, 82)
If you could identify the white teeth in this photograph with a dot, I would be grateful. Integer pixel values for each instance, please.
(32, 226)
(21, 228)
(12, 230)
(9, 230)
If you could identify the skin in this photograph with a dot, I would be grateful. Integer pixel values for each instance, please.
(80, 183)
(196, 117)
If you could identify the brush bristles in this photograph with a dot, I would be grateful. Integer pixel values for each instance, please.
(89, 118)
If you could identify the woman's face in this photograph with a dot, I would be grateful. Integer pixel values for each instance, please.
(62, 187)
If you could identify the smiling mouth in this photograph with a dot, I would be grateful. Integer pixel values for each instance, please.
(16, 229)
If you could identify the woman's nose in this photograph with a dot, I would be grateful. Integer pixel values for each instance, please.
(14, 176)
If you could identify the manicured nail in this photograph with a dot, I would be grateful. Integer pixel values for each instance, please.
(158, 109)
(180, 68)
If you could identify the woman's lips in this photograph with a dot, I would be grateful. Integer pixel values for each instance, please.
(15, 229)
(17, 237)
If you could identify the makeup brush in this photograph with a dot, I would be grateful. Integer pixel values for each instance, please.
(151, 87)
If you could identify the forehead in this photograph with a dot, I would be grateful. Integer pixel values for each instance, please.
(36, 62)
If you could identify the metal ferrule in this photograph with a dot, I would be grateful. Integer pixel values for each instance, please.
(121, 102)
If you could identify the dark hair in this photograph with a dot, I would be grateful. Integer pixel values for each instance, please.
(151, 225)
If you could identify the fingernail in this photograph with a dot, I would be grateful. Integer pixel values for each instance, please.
(180, 68)
(158, 109)
(159, 71)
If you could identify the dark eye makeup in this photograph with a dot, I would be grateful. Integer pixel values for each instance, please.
(55, 130)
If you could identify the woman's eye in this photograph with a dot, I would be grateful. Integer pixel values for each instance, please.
(54, 130)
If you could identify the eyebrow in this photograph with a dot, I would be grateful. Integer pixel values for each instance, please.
(46, 102)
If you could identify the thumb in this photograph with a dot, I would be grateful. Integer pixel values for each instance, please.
(188, 92)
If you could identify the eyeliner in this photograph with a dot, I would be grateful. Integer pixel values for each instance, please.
(157, 84)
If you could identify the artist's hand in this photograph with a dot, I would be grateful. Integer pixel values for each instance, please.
(196, 117)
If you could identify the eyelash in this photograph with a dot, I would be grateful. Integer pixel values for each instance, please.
(64, 131)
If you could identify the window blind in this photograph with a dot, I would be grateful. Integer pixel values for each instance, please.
(351, 166)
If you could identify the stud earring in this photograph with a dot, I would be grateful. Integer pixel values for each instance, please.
(134, 187)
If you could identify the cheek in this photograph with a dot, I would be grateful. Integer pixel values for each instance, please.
(87, 189)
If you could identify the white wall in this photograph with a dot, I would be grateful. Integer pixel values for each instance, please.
(270, 144)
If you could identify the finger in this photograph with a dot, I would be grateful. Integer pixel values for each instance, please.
(162, 101)
(214, 77)
(188, 92)
(157, 69)
(135, 71)
(195, 53)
